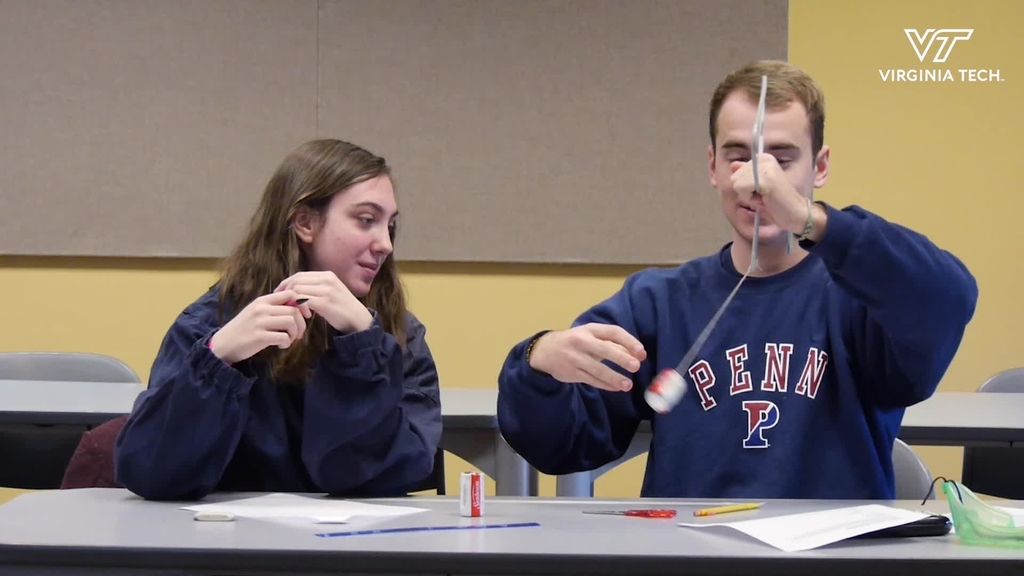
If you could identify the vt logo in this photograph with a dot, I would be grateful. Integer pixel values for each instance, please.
(942, 39)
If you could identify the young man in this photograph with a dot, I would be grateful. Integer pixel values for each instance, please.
(800, 389)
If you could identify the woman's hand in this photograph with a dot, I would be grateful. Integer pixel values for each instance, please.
(330, 298)
(270, 320)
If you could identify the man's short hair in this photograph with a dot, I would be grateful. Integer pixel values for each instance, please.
(786, 83)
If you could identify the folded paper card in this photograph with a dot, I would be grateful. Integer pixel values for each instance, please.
(316, 509)
(796, 532)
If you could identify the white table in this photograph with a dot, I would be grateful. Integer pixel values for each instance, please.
(469, 418)
(112, 532)
(945, 419)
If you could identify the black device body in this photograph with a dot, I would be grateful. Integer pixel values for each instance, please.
(934, 525)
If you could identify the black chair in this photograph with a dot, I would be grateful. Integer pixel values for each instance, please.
(36, 456)
(995, 471)
(436, 480)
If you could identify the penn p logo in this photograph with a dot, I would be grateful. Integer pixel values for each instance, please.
(761, 415)
(937, 43)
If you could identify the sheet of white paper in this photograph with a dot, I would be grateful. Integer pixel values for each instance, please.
(796, 532)
(319, 510)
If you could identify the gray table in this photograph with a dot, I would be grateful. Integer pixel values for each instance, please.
(945, 419)
(471, 427)
(471, 432)
(966, 419)
(113, 532)
(65, 403)
(469, 417)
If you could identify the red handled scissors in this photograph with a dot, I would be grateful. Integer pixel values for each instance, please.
(655, 513)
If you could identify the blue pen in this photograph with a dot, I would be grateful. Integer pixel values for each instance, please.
(426, 529)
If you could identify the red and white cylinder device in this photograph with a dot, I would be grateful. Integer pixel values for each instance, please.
(471, 494)
(665, 392)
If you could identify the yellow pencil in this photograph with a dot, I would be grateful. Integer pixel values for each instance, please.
(726, 509)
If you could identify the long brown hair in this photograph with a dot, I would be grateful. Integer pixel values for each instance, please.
(309, 176)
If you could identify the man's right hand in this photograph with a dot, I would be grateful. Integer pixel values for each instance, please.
(576, 355)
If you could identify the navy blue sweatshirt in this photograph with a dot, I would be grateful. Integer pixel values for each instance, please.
(798, 392)
(367, 423)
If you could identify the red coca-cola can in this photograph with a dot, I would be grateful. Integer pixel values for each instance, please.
(471, 494)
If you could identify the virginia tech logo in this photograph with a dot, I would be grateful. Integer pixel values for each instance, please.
(942, 40)
(933, 47)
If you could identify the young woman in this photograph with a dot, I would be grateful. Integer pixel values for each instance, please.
(300, 370)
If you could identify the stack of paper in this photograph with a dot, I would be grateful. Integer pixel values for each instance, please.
(294, 508)
(796, 532)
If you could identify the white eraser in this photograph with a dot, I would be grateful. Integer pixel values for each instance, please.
(213, 517)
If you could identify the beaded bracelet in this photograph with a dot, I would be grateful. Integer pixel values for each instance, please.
(810, 221)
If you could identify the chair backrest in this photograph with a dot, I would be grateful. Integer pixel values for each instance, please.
(92, 464)
(65, 366)
(913, 480)
(996, 471)
(1011, 380)
(436, 480)
(438, 473)
(36, 457)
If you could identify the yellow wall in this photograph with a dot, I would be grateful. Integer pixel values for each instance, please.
(937, 157)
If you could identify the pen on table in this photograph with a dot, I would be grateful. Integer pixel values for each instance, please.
(426, 529)
(727, 509)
